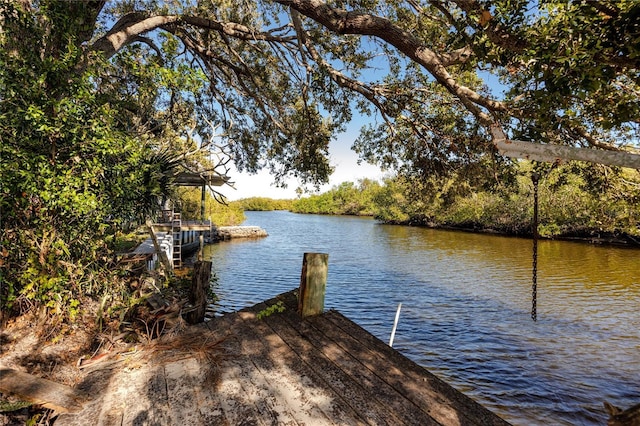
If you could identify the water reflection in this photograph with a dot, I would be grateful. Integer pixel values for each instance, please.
(466, 303)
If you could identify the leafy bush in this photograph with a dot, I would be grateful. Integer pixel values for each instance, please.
(574, 199)
(345, 199)
(189, 200)
(263, 204)
(73, 170)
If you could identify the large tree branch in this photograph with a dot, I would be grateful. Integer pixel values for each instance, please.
(127, 29)
(345, 22)
(133, 25)
(554, 153)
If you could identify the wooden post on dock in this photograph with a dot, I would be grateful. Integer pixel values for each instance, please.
(200, 247)
(313, 282)
(198, 291)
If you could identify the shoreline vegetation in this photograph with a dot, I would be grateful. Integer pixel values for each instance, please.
(568, 208)
(105, 106)
(572, 207)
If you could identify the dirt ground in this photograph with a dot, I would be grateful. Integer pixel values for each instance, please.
(81, 358)
(30, 345)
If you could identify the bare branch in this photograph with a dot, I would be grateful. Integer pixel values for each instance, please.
(342, 80)
(134, 24)
(555, 153)
(234, 30)
(127, 29)
(205, 145)
(151, 44)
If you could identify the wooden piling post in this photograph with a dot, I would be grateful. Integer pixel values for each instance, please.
(313, 282)
(198, 291)
(200, 247)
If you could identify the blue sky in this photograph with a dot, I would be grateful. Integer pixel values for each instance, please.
(342, 158)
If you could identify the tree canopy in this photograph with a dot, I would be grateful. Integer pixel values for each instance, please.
(282, 77)
(100, 100)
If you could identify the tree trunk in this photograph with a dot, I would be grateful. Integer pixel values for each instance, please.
(51, 395)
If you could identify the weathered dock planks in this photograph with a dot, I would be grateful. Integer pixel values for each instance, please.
(277, 370)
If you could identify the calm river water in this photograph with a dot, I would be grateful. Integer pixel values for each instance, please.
(466, 303)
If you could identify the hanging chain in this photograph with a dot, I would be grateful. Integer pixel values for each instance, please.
(535, 177)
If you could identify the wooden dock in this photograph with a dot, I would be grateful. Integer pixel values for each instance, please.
(240, 369)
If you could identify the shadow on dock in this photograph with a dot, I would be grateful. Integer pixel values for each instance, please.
(277, 369)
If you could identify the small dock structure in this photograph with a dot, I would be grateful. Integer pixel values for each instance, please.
(170, 240)
(266, 365)
(185, 235)
(172, 237)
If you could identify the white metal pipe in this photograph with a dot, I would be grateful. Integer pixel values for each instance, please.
(395, 325)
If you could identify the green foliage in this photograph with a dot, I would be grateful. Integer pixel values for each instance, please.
(263, 204)
(424, 141)
(189, 202)
(392, 205)
(345, 199)
(582, 62)
(272, 309)
(6, 406)
(71, 171)
(34, 420)
(571, 202)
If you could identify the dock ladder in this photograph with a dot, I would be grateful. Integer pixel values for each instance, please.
(176, 231)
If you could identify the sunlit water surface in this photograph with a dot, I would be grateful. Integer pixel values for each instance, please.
(466, 304)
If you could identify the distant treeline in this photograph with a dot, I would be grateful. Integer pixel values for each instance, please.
(259, 204)
(574, 201)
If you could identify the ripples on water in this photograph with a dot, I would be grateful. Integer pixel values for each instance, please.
(466, 307)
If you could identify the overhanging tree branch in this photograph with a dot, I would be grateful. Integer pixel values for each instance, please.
(134, 24)
(560, 153)
(288, 50)
(127, 29)
(345, 22)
